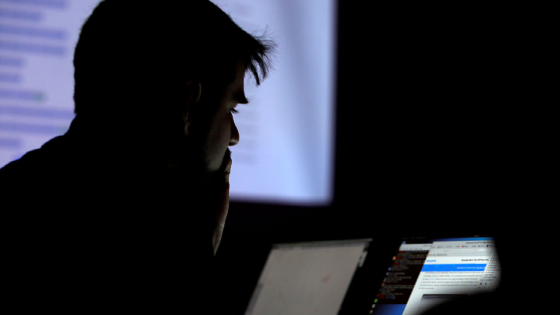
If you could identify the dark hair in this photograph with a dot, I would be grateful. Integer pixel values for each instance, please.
(134, 54)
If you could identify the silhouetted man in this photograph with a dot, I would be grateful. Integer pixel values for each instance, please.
(125, 211)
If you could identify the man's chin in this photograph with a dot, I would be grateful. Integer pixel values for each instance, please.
(203, 170)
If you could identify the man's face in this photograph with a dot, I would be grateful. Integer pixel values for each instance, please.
(216, 128)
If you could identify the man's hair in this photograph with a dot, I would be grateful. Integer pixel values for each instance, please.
(134, 56)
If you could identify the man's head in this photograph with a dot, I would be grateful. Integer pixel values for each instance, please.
(165, 72)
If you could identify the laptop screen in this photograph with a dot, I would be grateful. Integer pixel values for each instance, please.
(429, 272)
(307, 278)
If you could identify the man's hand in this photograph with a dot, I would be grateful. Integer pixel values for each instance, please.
(222, 209)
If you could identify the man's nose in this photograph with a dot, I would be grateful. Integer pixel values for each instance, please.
(234, 134)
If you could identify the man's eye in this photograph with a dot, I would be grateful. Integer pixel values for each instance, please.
(233, 111)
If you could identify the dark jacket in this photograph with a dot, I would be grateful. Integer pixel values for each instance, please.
(86, 226)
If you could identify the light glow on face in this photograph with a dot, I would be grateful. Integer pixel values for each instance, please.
(220, 131)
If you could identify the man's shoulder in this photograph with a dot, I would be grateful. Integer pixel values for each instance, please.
(33, 162)
(36, 174)
(30, 158)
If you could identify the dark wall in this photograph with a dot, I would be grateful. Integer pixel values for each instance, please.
(420, 108)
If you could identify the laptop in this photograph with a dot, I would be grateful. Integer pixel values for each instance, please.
(358, 276)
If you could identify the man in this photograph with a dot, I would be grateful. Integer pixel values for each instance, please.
(126, 210)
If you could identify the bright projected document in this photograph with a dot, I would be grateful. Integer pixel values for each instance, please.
(285, 153)
(307, 278)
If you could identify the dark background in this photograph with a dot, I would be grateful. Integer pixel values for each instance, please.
(434, 105)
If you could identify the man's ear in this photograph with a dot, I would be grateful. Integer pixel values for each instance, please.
(193, 91)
